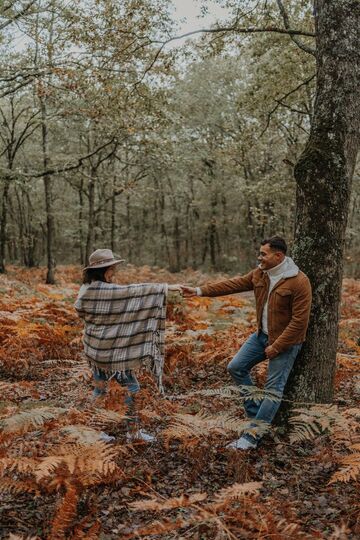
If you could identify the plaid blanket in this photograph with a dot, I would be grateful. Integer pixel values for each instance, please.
(124, 326)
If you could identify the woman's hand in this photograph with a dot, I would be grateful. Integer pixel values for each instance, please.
(176, 288)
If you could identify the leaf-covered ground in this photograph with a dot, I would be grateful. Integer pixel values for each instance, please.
(59, 481)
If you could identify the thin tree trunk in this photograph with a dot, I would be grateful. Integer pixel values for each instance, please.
(3, 223)
(81, 222)
(50, 222)
(113, 216)
(91, 217)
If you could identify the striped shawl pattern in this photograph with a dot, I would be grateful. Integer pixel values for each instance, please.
(124, 326)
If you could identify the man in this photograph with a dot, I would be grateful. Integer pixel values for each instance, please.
(283, 301)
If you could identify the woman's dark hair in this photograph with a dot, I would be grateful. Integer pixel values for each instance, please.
(276, 243)
(94, 274)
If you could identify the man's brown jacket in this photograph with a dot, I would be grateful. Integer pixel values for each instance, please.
(288, 304)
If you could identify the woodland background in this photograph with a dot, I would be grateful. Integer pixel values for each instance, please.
(179, 159)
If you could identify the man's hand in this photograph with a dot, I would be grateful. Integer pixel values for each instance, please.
(270, 353)
(188, 292)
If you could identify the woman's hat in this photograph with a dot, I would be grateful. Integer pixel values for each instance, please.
(101, 258)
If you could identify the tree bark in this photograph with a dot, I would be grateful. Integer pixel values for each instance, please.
(81, 223)
(90, 241)
(50, 222)
(3, 222)
(323, 175)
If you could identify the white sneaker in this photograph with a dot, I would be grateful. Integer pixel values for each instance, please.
(105, 437)
(241, 444)
(140, 435)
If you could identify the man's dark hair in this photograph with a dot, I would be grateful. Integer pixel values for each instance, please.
(276, 243)
(94, 274)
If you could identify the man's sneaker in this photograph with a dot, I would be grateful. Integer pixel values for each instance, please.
(242, 444)
(140, 435)
(105, 437)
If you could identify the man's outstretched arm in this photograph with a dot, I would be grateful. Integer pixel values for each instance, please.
(221, 288)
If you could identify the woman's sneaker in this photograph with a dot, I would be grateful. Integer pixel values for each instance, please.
(242, 444)
(105, 437)
(140, 435)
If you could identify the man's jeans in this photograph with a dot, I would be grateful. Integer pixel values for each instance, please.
(127, 379)
(252, 353)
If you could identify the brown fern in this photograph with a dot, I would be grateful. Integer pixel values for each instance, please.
(25, 420)
(238, 491)
(65, 514)
(17, 487)
(350, 466)
(320, 419)
(203, 424)
(159, 505)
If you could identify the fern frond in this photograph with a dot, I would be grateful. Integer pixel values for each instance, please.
(103, 417)
(350, 467)
(82, 434)
(202, 424)
(65, 514)
(311, 422)
(238, 491)
(47, 466)
(17, 487)
(159, 505)
(23, 421)
(88, 462)
(20, 464)
(242, 393)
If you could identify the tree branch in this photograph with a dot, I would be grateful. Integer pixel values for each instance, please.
(241, 30)
(297, 41)
(279, 101)
(59, 170)
(18, 15)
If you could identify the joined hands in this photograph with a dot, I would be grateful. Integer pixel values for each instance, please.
(184, 290)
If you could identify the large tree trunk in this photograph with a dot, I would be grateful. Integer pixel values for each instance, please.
(323, 175)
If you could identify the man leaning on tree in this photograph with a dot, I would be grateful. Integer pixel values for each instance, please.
(283, 301)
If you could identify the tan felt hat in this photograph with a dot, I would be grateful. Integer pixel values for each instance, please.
(101, 258)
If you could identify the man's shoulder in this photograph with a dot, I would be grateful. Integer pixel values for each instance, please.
(300, 280)
(256, 273)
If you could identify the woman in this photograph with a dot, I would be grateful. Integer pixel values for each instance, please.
(124, 327)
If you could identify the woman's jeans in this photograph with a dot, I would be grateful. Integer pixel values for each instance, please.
(252, 353)
(127, 379)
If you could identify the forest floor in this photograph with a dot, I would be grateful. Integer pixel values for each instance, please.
(58, 481)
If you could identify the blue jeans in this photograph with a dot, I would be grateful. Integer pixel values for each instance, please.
(127, 379)
(252, 353)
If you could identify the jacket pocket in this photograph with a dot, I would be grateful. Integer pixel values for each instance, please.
(259, 288)
(283, 299)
